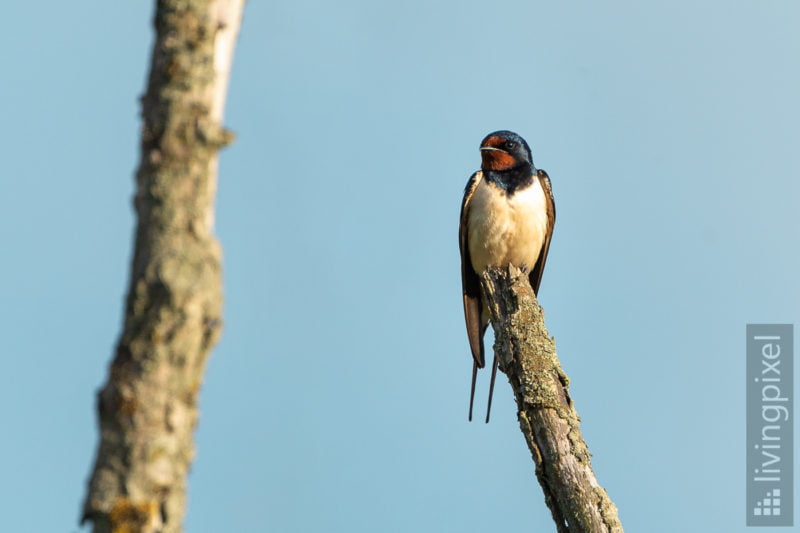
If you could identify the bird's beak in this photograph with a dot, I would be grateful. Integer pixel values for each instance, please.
(491, 149)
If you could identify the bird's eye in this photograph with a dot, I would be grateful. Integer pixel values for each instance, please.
(510, 145)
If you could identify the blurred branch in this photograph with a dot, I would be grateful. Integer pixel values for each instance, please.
(547, 417)
(148, 406)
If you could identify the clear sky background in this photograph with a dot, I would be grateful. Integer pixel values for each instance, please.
(337, 397)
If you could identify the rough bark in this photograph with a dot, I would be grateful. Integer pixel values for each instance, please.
(547, 417)
(148, 406)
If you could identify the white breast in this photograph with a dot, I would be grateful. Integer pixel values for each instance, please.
(506, 230)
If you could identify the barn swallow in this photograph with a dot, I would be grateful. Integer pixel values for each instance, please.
(507, 217)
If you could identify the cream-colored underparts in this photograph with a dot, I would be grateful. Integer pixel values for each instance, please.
(506, 229)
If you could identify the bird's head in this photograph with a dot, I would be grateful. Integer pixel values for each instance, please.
(505, 150)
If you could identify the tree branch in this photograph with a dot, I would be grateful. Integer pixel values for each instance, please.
(148, 406)
(547, 418)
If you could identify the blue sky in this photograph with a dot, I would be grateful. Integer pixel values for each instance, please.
(337, 397)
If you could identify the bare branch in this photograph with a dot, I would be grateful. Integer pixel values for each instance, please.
(148, 407)
(547, 417)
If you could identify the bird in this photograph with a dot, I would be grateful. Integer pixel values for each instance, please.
(507, 218)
